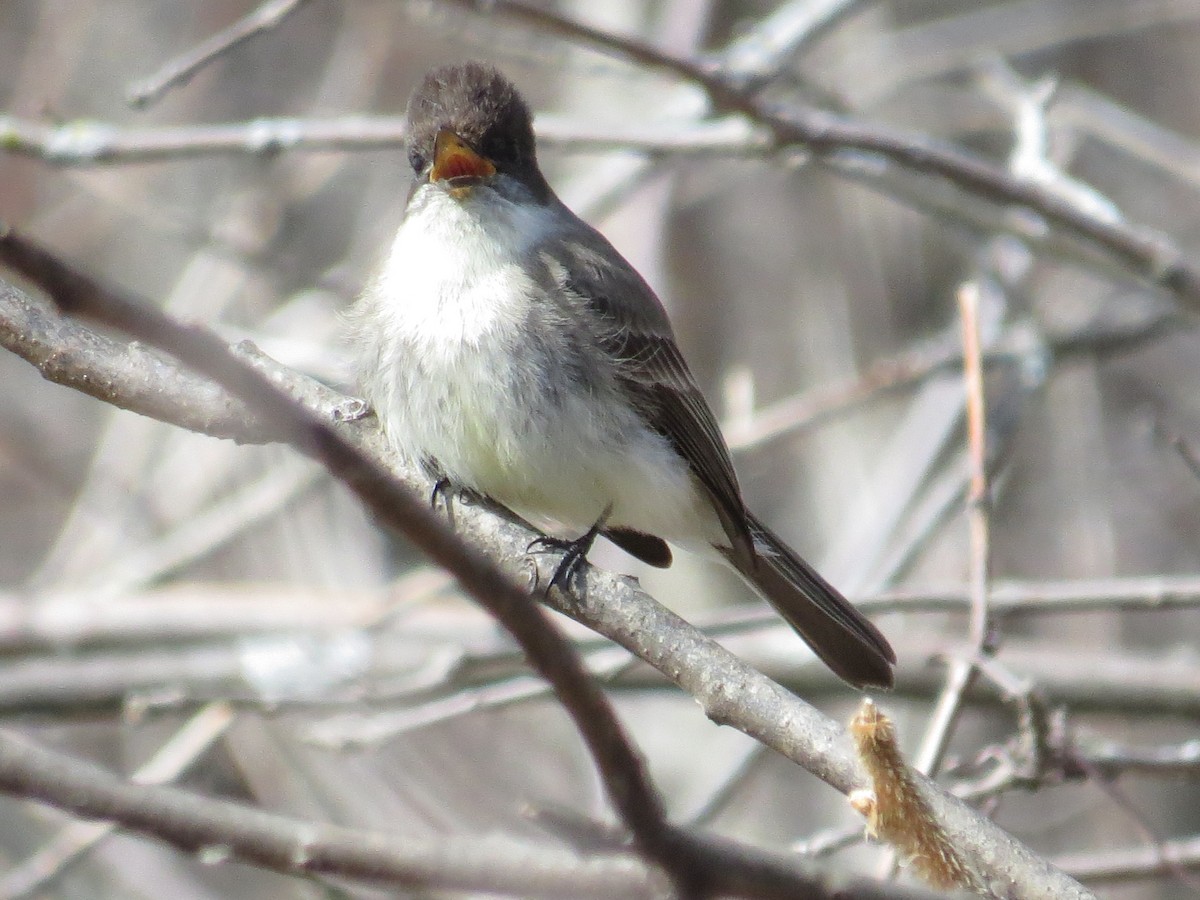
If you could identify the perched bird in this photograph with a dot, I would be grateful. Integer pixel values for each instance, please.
(510, 349)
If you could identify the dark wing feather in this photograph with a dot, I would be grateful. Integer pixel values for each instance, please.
(651, 369)
(651, 550)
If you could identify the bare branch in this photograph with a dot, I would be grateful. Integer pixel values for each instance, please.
(295, 846)
(1114, 865)
(127, 375)
(173, 758)
(221, 831)
(618, 763)
(1082, 595)
(755, 59)
(89, 143)
(1150, 255)
(181, 70)
(729, 691)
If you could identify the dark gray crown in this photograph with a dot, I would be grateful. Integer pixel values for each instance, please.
(482, 107)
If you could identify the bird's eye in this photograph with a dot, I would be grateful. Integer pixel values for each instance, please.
(417, 160)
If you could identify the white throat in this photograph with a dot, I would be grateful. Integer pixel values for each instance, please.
(455, 271)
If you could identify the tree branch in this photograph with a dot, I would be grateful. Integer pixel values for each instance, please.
(1152, 256)
(728, 690)
(222, 830)
(621, 769)
(181, 69)
(297, 847)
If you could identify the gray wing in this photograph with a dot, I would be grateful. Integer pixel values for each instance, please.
(638, 336)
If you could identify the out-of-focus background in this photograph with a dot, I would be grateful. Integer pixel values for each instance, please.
(147, 573)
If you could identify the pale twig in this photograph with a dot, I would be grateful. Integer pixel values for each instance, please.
(200, 611)
(827, 842)
(1152, 256)
(357, 730)
(720, 796)
(184, 67)
(1019, 343)
(962, 670)
(219, 522)
(170, 761)
(1031, 154)
(978, 497)
(90, 143)
(1068, 596)
(1141, 822)
(756, 58)
(1110, 759)
(1114, 865)
(727, 689)
(1096, 115)
(621, 769)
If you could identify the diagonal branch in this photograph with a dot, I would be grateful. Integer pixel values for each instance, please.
(1150, 255)
(223, 830)
(299, 847)
(181, 69)
(729, 691)
(400, 508)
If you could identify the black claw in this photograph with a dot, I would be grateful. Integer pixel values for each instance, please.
(445, 491)
(441, 491)
(574, 552)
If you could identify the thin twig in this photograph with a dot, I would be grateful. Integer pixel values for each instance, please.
(89, 143)
(618, 763)
(727, 689)
(1114, 865)
(182, 69)
(962, 669)
(1111, 759)
(978, 498)
(1152, 256)
(170, 761)
(756, 58)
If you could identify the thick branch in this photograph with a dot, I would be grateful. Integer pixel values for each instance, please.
(1150, 255)
(621, 769)
(126, 375)
(729, 691)
(298, 847)
(222, 830)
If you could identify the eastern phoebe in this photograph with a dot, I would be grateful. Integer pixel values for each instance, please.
(507, 347)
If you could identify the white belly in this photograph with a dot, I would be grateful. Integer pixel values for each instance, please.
(462, 378)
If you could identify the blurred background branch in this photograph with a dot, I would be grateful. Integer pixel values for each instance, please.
(148, 571)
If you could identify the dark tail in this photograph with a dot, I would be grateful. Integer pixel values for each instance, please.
(838, 633)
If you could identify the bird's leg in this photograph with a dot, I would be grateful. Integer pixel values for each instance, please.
(444, 489)
(574, 551)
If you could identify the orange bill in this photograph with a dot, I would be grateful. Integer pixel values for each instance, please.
(453, 158)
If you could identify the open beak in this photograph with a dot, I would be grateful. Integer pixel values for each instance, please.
(454, 159)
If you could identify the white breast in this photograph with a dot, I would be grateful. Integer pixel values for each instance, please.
(452, 366)
(456, 274)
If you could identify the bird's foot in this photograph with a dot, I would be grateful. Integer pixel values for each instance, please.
(574, 552)
(443, 491)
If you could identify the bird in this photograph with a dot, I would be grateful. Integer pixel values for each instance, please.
(510, 350)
